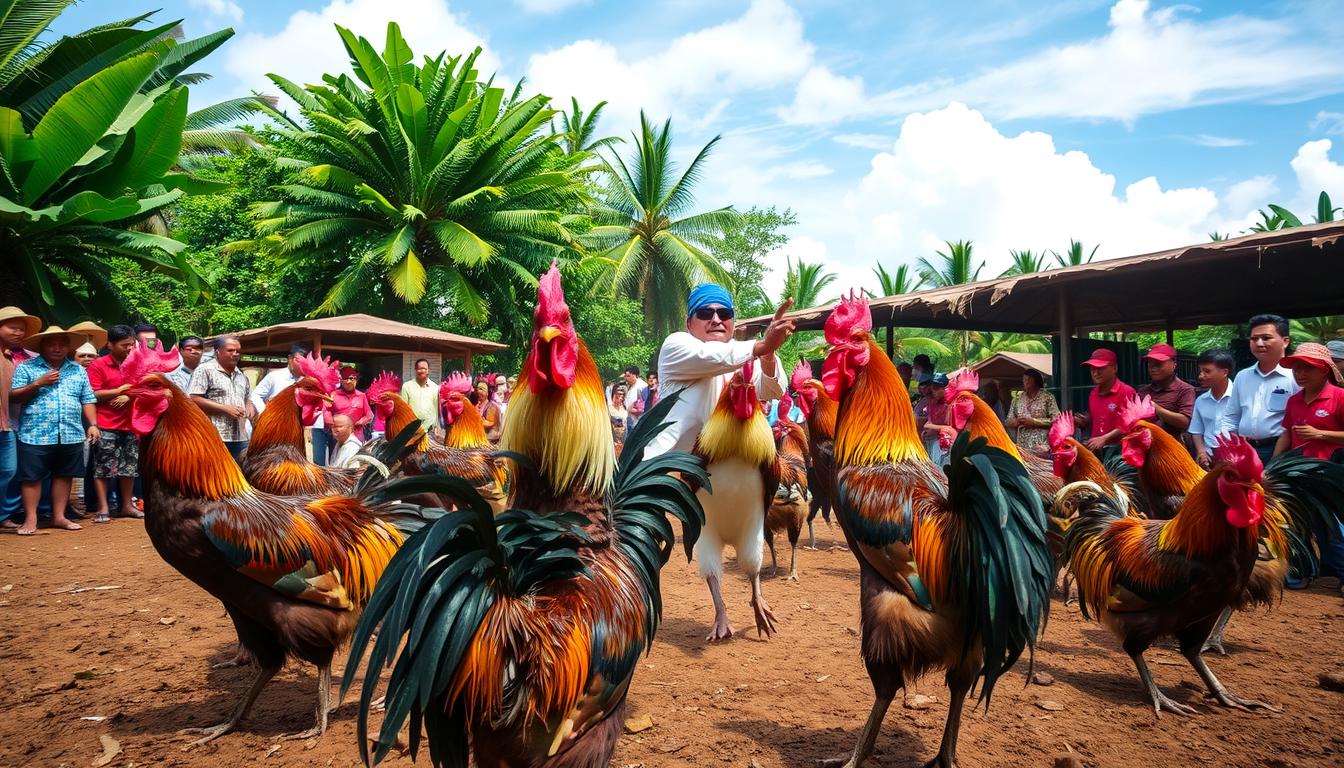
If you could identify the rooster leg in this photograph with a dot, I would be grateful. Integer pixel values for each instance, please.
(264, 676)
(1215, 641)
(959, 685)
(722, 629)
(811, 535)
(793, 561)
(324, 707)
(765, 618)
(774, 561)
(1217, 691)
(1159, 699)
(867, 738)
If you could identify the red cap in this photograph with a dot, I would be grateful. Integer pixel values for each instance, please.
(1162, 353)
(348, 370)
(1101, 358)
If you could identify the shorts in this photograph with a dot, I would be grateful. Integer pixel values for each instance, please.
(38, 462)
(117, 454)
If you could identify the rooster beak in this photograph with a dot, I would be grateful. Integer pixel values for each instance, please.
(325, 398)
(548, 333)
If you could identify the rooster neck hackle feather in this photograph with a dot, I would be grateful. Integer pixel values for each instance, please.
(1201, 528)
(401, 417)
(186, 454)
(985, 423)
(1086, 465)
(279, 424)
(821, 421)
(872, 426)
(725, 436)
(566, 431)
(1168, 469)
(467, 431)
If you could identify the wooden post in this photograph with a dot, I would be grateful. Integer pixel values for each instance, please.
(1064, 376)
(317, 344)
(466, 362)
(1171, 334)
(891, 340)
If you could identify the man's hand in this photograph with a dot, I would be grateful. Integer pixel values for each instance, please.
(1013, 422)
(92, 434)
(1307, 432)
(48, 378)
(119, 401)
(776, 333)
(1096, 443)
(236, 411)
(1202, 458)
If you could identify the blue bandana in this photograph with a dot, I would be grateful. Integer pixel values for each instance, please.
(705, 294)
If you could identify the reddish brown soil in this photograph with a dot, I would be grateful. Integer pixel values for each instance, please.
(139, 657)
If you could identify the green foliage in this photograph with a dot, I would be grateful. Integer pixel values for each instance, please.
(407, 167)
(1074, 257)
(650, 247)
(1195, 340)
(902, 281)
(955, 266)
(804, 282)
(742, 249)
(1026, 263)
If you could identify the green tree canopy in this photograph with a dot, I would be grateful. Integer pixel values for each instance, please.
(742, 249)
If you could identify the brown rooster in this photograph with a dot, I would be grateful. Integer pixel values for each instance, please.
(293, 571)
(954, 572)
(524, 630)
(819, 412)
(789, 508)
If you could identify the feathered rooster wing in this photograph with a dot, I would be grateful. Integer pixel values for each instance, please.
(492, 636)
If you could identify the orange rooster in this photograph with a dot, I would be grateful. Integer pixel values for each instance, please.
(739, 453)
(293, 571)
(1166, 470)
(1146, 579)
(1074, 462)
(789, 507)
(819, 412)
(275, 460)
(954, 572)
(523, 631)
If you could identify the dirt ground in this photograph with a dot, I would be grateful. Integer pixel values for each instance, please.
(132, 663)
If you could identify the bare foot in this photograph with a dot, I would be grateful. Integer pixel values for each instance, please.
(66, 525)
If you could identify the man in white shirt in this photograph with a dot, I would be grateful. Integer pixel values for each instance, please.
(1215, 372)
(347, 445)
(271, 385)
(1260, 393)
(635, 389)
(699, 361)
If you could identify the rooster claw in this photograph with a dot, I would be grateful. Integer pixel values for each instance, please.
(722, 630)
(765, 618)
(1236, 702)
(207, 734)
(1161, 702)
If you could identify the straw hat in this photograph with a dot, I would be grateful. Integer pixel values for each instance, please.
(34, 323)
(91, 331)
(1317, 355)
(35, 341)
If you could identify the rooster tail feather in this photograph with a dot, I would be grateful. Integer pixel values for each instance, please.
(435, 595)
(387, 452)
(1306, 491)
(1126, 476)
(644, 493)
(1005, 571)
(1094, 510)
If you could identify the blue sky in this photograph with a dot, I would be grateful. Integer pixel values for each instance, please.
(892, 126)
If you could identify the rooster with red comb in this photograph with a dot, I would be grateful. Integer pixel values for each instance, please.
(524, 630)
(954, 572)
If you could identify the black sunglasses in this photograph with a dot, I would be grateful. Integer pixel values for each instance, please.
(707, 313)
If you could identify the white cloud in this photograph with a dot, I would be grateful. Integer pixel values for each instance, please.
(309, 47)
(696, 72)
(1329, 123)
(1217, 142)
(549, 6)
(1316, 172)
(218, 9)
(865, 140)
(951, 175)
(1150, 60)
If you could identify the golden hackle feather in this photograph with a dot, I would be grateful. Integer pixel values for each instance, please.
(821, 421)
(725, 436)
(794, 442)
(467, 430)
(1168, 469)
(566, 431)
(401, 417)
(187, 454)
(984, 422)
(279, 424)
(1201, 527)
(880, 426)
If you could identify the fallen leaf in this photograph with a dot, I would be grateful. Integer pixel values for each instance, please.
(639, 724)
(823, 678)
(274, 748)
(918, 701)
(1050, 706)
(111, 748)
(168, 621)
(1042, 678)
(6, 588)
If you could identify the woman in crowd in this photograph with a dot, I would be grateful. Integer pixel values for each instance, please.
(491, 417)
(1031, 414)
(618, 412)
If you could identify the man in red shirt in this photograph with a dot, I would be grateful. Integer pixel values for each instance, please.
(1314, 417)
(1103, 403)
(351, 402)
(117, 452)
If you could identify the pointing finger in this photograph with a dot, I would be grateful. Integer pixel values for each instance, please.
(785, 307)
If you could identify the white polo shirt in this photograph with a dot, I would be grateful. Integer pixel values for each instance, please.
(1255, 410)
(1207, 420)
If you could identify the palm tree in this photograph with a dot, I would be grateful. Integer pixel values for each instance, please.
(1217, 237)
(903, 280)
(983, 344)
(578, 128)
(804, 283)
(410, 167)
(650, 247)
(212, 130)
(956, 266)
(1279, 217)
(1073, 257)
(1326, 328)
(90, 131)
(1025, 263)
(1325, 210)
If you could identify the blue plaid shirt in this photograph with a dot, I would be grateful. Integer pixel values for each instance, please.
(56, 413)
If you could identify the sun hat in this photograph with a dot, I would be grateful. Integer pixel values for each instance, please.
(33, 322)
(1162, 353)
(35, 341)
(92, 332)
(1101, 358)
(86, 348)
(1336, 348)
(1317, 355)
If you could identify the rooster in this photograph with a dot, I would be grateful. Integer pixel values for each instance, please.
(523, 631)
(789, 507)
(819, 412)
(739, 453)
(954, 572)
(1074, 462)
(275, 460)
(384, 384)
(1298, 489)
(293, 571)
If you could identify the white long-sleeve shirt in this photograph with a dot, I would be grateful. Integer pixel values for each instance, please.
(699, 370)
(1255, 410)
(270, 386)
